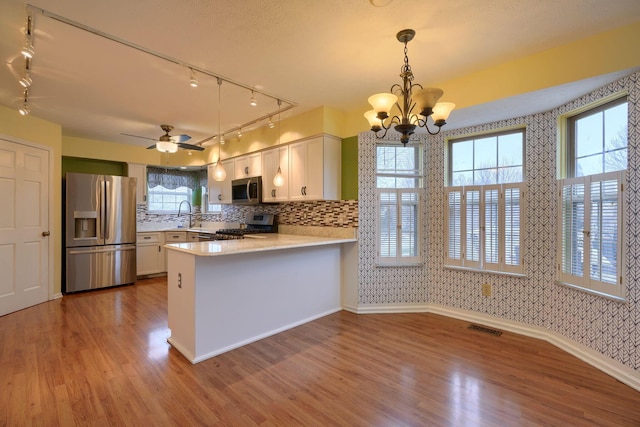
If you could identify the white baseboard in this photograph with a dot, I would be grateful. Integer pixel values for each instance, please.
(607, 365)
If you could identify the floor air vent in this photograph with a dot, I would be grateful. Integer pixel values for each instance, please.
(486, 330)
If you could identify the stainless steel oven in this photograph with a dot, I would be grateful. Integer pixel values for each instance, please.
(246, 191)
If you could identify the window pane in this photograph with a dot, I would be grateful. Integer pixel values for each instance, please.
(589, 135)
(615, 160)
(397, 160)
(462, 178)
(589, 165)
(388, 225)
(485, 153)
(615, 120)
(510, 174)
(510, 150)
(462, 156)
(485, 176)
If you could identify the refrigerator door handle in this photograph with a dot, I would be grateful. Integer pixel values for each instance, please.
(106, 199)
(103, 249)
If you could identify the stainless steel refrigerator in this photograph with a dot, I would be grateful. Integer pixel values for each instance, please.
(100, 231)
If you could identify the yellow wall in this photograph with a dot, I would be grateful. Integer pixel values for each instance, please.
(604, 53)
(33, 130)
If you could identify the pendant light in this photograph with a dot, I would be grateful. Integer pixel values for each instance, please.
(219, 174)
(278, 180)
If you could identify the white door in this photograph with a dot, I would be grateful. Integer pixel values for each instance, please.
(24, 222)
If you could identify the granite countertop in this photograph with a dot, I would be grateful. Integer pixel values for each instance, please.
(256, 243)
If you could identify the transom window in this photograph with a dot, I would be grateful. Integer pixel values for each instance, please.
(487, 159)
(398, 178)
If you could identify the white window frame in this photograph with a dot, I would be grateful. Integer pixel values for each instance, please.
(402, 239)
(566, 273)
(150, 192)
(470, 248)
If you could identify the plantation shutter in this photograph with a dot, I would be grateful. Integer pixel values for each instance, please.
(513, 221)
(388, 223)
(473, 216)
(409, 224)
(454, 228)
(492, 234)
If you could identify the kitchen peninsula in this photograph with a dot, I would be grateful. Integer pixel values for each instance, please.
(225, 294)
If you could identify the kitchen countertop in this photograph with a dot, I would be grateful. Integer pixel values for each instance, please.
(256, 243)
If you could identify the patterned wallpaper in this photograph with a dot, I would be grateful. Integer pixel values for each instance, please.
(609, 327)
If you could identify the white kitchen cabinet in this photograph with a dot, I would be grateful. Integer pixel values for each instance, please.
(248, 165)
(271, 160)
(220, 191)
(315, 169)
(139, 172)
(150, 253)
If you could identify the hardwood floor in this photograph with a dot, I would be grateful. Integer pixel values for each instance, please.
(101, 358)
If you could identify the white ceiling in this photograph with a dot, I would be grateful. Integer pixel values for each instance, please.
(307, 52)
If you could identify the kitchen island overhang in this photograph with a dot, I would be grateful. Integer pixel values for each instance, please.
(223, 295)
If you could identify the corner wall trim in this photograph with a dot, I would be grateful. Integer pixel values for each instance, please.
(607, 365)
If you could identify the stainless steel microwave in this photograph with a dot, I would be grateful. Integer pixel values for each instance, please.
(247, 191)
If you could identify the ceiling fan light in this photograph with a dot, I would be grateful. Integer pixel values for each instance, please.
(219, 174)
(166, 146)
(441, 112)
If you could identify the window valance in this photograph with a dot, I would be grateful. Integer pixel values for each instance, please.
(174, 178)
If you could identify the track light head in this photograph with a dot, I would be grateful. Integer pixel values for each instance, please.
(26, 81)
(253, 101)
(193, 82)
(27, 50)
(24, 110)
(271, 124)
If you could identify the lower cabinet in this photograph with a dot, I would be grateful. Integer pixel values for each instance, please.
(150, 253)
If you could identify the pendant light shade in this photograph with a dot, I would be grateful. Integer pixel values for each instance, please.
(219, 174)
(278, 180)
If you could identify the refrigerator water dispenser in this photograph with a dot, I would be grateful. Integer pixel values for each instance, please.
(85, 224)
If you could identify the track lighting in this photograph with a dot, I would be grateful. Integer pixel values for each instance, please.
(271, 124)
(253, 101)
(26, 80)
(222, 139)
(24, 110)
(194, 80)
(240, 133)
(278, 179)
(27, 50)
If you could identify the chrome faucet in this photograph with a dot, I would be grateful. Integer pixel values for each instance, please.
(189, 213)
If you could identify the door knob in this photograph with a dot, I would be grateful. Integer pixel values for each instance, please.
(45, 234)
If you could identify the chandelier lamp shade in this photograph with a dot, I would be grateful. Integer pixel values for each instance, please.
(414, 102)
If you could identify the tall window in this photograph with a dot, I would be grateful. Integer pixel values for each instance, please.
(398, 180)
(485, 202)
(590, 200)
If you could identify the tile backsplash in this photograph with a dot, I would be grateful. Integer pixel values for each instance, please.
(339, 213)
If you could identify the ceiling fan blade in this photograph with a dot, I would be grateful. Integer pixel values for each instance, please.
(180, 138)
(138, 136)
(190, 146)
(151, 146)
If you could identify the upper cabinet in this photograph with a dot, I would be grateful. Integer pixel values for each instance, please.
(248, 165)
(220, 191)
(315, 169)
(271, 161)
(139, 172)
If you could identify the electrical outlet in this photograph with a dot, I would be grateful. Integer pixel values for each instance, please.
(486, 289)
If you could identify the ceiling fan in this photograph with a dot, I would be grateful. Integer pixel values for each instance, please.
(169, 143)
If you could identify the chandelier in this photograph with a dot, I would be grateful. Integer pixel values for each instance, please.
(411, 95)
